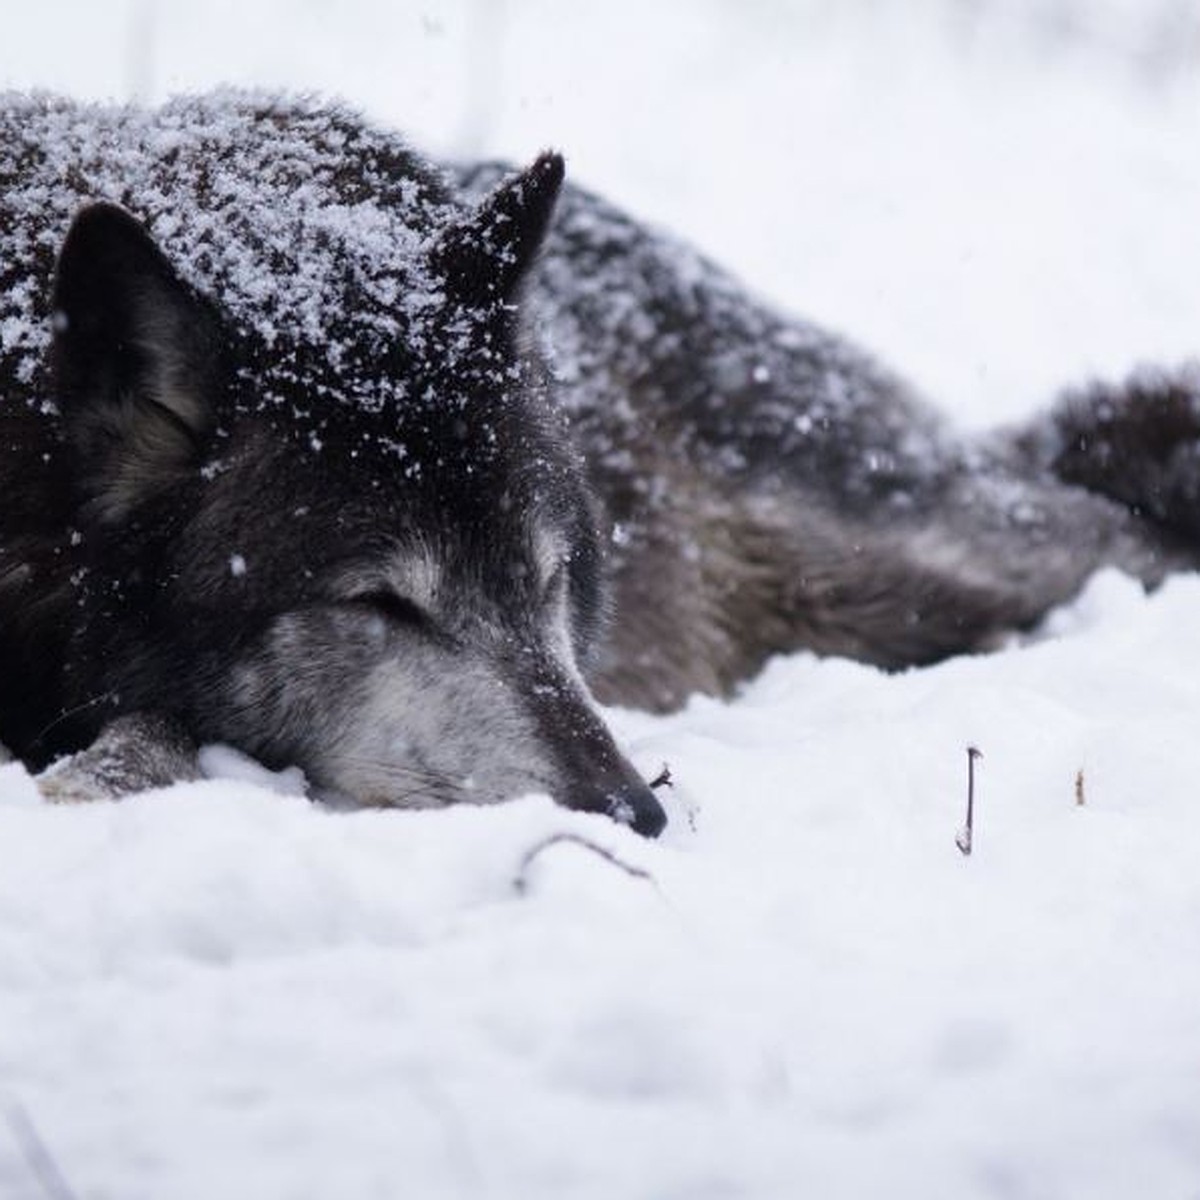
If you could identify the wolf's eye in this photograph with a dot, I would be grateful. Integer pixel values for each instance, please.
(398, 609)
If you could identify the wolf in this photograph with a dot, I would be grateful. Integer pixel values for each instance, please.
(392, 470)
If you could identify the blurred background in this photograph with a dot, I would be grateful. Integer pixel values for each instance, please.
(997, 196)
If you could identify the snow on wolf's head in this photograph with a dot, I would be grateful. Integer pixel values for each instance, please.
(353, 535)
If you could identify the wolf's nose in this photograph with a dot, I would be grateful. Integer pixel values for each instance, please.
(634, 804)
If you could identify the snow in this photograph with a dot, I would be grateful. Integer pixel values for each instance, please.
(223, 990)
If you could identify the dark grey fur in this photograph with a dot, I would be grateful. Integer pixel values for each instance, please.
(772, 487)
(292, 473)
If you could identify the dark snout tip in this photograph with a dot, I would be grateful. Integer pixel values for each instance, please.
(637, 807)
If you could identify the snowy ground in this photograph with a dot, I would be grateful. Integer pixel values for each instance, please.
(221, 991)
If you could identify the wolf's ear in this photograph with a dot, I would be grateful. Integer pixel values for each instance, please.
(484, 257)
(136, 361)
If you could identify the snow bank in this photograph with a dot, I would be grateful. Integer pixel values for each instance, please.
(220, 990)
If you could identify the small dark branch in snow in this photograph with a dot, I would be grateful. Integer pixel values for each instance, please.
(663, 778)
(521, 882)
(1080, 799)
(964, 839)
(37, 1155)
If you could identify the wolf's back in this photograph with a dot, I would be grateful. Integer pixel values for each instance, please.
(662, 356)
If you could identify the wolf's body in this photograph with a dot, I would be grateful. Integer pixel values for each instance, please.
(294, 479)
(772, 487)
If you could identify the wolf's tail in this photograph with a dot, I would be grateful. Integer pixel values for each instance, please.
(1137, 442)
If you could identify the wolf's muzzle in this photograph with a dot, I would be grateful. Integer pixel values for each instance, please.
(636, 805)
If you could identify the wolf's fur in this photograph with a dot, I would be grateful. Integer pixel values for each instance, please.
(773, 488)
(292, 472)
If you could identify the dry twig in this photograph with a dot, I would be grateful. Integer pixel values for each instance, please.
(521, 881)
(964, 840)
(662, 779)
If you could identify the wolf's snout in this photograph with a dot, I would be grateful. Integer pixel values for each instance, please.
(632, 804)
(593, 775)
(637, 806)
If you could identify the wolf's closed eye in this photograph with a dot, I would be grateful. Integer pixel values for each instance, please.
(396, 608)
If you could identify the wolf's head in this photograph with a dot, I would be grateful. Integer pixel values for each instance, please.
(375, 558)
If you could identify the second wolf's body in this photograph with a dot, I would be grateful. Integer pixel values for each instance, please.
(304, 451)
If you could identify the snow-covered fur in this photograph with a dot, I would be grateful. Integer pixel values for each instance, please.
(768, 486)
(278, 467)
(284, 466)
